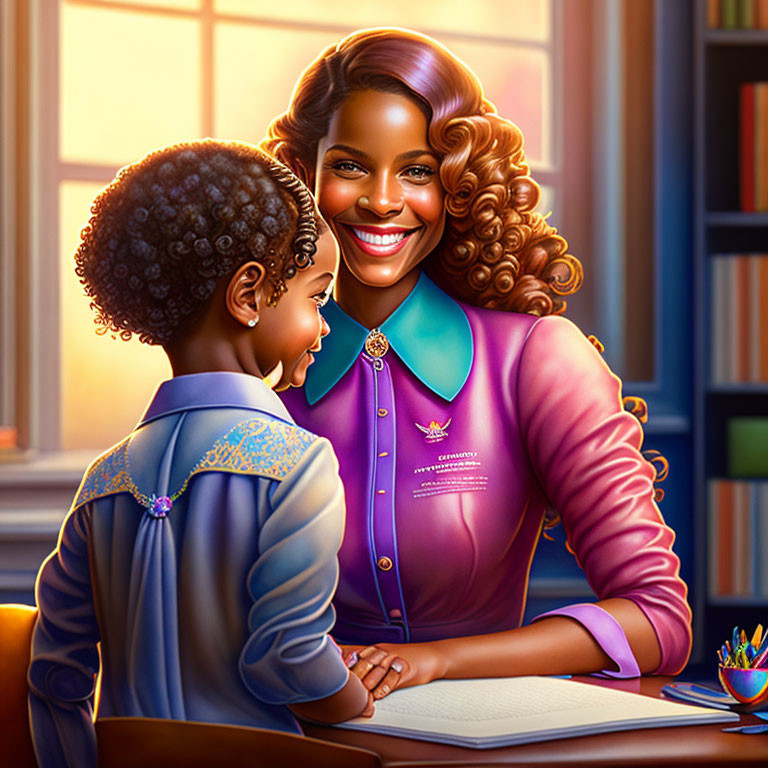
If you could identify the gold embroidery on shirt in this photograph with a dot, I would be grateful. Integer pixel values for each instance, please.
(258, 446)
(107, 475)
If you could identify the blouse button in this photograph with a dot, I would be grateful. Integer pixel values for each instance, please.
(384, 563)
(382, 412)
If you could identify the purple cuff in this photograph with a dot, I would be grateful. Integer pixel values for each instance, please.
(608, 634)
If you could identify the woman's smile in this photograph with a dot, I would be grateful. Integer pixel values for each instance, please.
(380, 241)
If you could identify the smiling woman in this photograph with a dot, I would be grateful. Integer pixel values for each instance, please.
(474, 409)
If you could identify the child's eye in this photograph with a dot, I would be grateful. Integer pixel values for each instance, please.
(322, 298)
(419, 172)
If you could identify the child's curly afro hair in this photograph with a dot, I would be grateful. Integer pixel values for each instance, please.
(171, 226)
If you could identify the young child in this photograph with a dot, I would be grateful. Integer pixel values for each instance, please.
(200, 551)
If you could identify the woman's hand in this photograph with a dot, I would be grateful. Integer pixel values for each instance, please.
(387, 666)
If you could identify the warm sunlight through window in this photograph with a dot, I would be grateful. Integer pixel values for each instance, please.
(105, 382)
(514, 20)
(517, 81)
(248, 97)
(129, 82)
(188, 5)
(138, 74)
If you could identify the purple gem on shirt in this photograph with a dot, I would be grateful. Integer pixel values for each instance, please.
(161, 506)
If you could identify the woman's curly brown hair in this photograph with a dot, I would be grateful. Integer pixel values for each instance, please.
(496, 252)
(172, 225)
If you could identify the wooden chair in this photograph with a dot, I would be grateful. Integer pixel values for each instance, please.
(16, 622)
(126, 742)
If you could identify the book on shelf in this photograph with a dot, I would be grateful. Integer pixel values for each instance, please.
(753, 146)
(738, 539)
(739, 333)
(737, 14)
(519, 710)
(747, 445)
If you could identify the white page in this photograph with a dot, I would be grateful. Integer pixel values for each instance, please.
(522, 709)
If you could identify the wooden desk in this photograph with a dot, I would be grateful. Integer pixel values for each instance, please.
(693, 745)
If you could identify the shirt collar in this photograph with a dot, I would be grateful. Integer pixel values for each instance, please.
(215, 389)
(429, 331)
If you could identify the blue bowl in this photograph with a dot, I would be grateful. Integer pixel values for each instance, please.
(749, 686)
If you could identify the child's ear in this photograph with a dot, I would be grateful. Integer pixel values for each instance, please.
(245, 293)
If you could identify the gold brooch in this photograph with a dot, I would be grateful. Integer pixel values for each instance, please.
(376, 344)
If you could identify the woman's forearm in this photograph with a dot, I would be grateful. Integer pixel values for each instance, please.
(555, 645)
(552, 646)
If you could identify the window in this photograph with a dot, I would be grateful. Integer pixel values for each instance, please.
(112, 80)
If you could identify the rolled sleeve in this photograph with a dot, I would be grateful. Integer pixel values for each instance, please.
(289, 656)
(64, 654)
(585, 450)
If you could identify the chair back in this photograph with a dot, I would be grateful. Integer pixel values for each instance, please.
(125, 742)
(16, 623)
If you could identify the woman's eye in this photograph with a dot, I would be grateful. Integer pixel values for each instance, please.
(347, 166)
(419, 172)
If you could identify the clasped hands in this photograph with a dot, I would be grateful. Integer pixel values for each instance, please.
(385, 667)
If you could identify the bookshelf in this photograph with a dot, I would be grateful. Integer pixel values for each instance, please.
(723, 60)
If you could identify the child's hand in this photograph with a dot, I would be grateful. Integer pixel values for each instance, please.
(347, 651)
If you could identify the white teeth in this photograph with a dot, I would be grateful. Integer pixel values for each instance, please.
(368, 237)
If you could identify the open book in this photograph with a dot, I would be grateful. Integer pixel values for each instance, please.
(518, 710)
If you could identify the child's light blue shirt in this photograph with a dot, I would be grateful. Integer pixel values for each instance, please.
(219, 610)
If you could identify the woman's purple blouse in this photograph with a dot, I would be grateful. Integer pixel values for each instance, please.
(453, 443)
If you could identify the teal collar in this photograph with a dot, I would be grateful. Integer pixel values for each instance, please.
(429, 331)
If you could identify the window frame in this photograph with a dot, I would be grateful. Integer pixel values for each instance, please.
(668, 392)
(8, 172)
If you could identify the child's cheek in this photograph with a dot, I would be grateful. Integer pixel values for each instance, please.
(305, 330)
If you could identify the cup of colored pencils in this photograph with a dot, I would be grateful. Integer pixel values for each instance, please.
(743, 670)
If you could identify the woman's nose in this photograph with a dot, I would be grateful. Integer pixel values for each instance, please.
(325, 329)
(384, 197)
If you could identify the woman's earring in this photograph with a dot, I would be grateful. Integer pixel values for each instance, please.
(363, 200)
(252, 322)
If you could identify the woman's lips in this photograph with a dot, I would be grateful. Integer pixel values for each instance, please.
(379, 241)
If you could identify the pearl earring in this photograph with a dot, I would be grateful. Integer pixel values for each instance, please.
(252, 322)
(363, 200)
